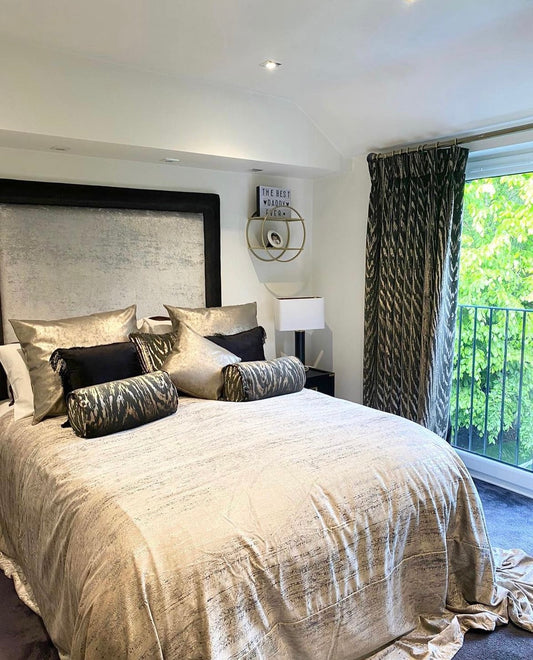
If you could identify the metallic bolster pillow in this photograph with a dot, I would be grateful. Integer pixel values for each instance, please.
(225, 320)
(249, 381)
(121, 404)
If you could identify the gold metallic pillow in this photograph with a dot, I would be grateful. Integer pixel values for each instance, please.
(195, 364)
(215, 320)
(39, 339)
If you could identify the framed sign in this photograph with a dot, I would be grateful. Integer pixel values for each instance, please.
(278, 198)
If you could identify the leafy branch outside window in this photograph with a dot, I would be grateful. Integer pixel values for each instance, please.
(496, 270)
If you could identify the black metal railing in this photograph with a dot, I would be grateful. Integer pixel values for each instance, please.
(492, 390)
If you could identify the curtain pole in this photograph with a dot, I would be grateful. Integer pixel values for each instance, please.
(449, 142)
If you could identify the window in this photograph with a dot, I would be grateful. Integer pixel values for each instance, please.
(492, 395)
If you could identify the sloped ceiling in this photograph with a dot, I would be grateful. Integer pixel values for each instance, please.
(367, 73)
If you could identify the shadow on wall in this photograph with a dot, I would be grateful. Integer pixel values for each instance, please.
(320, 347)
(294, 273)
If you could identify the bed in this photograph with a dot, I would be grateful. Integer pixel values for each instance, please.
(299, 526)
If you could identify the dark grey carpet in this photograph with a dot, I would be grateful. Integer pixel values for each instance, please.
(509, 517)
(22, 634)
(510, 523)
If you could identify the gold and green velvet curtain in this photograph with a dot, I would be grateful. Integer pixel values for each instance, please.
(412, 264)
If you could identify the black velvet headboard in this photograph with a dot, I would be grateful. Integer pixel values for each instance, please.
(15, 192)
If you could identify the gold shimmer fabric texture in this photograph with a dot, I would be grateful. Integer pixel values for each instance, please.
(215, 320)
(153, 348)
(300, 527)
(195, 364)
(39, 339)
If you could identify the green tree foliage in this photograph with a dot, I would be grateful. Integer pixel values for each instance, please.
(496, 271)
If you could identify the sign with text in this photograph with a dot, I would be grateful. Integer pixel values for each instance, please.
(277, 198)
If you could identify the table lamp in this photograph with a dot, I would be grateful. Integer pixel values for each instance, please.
(299, 314)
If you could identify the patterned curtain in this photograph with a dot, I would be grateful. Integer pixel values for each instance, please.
(412, 264)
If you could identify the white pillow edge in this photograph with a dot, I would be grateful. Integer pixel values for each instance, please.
(18, 376)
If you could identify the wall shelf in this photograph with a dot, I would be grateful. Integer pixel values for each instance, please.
(261, 230)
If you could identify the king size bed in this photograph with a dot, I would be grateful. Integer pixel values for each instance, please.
(297, 526)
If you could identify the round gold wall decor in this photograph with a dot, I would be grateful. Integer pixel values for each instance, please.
(273, 246)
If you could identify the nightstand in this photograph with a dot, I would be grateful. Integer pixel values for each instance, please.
(320, 380)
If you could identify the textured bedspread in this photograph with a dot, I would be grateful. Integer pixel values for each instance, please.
(296, 527)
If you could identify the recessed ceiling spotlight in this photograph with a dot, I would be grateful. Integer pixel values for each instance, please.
(270, 65)
(59, 148)
(170, 160)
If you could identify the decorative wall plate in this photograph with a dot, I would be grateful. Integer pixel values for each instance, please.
(275, 239)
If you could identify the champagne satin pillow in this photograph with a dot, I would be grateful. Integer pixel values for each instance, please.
(39, 339)
(195, 364)
(215, 320)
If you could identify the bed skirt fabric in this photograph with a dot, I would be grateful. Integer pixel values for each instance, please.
(297, 527)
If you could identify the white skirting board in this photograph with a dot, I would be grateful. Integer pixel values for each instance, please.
(498, 474)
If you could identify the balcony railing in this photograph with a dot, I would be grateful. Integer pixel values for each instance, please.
(492, 391)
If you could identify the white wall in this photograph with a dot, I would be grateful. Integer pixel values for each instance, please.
(243, 277)
(47, 94)
(339, 230)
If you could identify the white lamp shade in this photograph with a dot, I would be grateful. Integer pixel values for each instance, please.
(299, 313)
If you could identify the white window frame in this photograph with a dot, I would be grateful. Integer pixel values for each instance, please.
(498, 161)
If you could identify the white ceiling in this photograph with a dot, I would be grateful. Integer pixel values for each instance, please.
(369, 73)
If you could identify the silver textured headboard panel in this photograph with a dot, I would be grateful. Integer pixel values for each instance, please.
(68, 250)
(57, 262)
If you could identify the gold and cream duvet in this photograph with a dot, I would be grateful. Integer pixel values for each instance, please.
(300, 527)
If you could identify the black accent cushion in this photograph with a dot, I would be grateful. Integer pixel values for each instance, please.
(249, 381)
(121, 404)
(248, 345)
(81, 367)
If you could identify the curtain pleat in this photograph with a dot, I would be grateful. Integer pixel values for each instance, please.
(412, 261)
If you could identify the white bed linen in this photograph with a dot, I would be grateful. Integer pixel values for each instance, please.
(296, 527)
